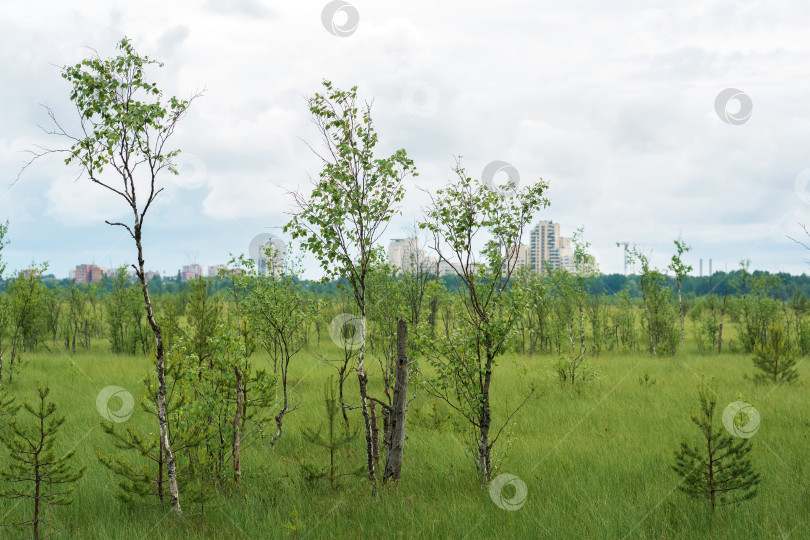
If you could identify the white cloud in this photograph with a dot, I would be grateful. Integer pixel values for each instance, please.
(611, 102)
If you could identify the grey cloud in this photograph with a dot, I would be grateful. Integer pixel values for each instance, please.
(172, 39)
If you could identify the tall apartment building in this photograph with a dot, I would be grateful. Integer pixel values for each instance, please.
(87, 273)
(548, 250)
(521, 254)
(191, 271)
(213, 271)
(404, 253)
(565, 254)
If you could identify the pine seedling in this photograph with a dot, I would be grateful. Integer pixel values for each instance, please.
(138, 462)
(775, 356)
(719, 468)
(35, 472)
(333, 440)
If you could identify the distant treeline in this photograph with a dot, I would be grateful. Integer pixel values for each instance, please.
(701, 286)
(608, 284)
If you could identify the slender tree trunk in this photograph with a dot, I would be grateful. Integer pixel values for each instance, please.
(434, 307)
(649, 325)
(485, 419)
(375, 434)
(571, 333)
(165, 446)
(720, 330)
(280, 420)
(399, 406)
(343, 405)
(237, 437)
(36, 497)
(363, 380)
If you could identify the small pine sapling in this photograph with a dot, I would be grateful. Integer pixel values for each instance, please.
(139, 464)
(719, 468)
(646, 380)
(294, 524)
(35, 472)
(775, 356)
(332, 441)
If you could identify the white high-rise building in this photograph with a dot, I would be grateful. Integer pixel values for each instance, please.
(404, 253)
(544, 246)
(566, 254)
(549, 251)
(520, 256)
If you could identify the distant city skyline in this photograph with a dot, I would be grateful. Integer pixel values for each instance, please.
(547, 250)
(700, 265)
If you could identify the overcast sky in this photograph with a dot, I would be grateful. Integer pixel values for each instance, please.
(612, 103)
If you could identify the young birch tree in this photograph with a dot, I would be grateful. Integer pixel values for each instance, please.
(658, 309)
(465, 361)
(126, 124)
(680, 269)
(278, 310)
(349, 208)
(573, 294)
(25, 294)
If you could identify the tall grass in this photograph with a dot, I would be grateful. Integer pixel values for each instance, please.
(596, 460)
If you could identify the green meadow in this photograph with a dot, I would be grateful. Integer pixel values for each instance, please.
(596, 460)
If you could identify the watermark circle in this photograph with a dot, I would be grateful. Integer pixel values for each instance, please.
(337, 331)
(420, 98)
(516, 501)
(191, 171)
(741, 419)
(329, 18)
(800, 186)
(721, 106)
(123, 413)
(493, 168)
(267, 251)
